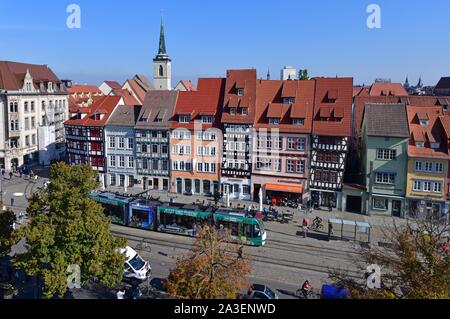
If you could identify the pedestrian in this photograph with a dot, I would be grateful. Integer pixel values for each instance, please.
(3, 172)
(12, 201)
(305, 226)
(121, 293)
(330, 230)
(10, 175)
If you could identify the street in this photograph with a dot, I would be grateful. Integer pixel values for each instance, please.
(287, 260)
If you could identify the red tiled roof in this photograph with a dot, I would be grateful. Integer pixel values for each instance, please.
(139, 92)
(114, 85)
(275, 110)
(78, 88)
(208, 99)
(188, 85)
(431, 133)
(384, 89)
(12, 75)
(343, 103)
(289, 89)
(269, 103)
(246, 78)
(325, 111)
(128, 98)
(104, 105)
(445, 121)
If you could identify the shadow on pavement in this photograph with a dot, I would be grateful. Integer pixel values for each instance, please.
(158, 283)
(317, 236)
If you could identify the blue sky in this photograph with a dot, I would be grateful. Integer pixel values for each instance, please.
(120, 38)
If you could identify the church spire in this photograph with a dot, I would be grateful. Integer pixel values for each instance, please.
(268, 74)
(162, 40)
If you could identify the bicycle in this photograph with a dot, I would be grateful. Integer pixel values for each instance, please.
(317, 224)
(300, 293)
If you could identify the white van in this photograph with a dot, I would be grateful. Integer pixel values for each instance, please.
(135, 266)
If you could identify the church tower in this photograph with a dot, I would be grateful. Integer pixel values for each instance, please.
(162, 65)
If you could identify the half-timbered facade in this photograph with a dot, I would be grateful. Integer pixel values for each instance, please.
(237, 120)
(332, 128)
(85, 133)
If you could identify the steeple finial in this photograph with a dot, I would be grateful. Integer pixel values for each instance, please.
(268, 74)
(162, 40)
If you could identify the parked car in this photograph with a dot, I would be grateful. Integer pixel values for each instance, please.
(257, 291)
(136, 268)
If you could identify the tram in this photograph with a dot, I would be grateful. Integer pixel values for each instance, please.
(180, 219)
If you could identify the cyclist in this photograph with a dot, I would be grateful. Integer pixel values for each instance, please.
(306, 288)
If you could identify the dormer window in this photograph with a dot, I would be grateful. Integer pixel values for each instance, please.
(298, 122)
(207, 119)
(436, 145)
(274, 121)
(244, 111)
(233, 111)
(240, 92)
(424, 122)
(184, 118)
(288, 100)
(420, 144)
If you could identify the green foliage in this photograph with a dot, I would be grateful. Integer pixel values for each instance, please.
(303, 75)
(7, 218)
(68, 228)
(417, 267)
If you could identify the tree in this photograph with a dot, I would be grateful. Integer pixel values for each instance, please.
(7, 238)
(213, 269)
(416, 266)
(68, 228)
(303, 74)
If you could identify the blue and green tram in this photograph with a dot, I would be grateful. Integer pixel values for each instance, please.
(180, 219)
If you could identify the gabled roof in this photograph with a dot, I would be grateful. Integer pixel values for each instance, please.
(187, 85)
(386, 120)
(434, 132)
(79, 88)
(246, 79)
(124, 115)
(270, 105)
(104, 105)
(383, 89)
(208, 99)
(444, 83)
(113, 85)
(158, 110)
(12, 75)
(336, 94)
(128, 97)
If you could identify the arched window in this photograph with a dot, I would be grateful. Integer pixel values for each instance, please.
(161, 70)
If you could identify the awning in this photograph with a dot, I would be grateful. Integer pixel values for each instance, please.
(284, 188)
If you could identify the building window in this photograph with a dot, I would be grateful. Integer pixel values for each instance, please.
(155, 164)
(33, 139)
(154, 134)
(43, 106)
(112, 142)
(112, 179)
(380, 203)
(417, 186)
(290, 166)
(244, 111)
(112, 161)
(277, 165)
(274, 121)
(121, 143)
(300, 167)
(386, 154)
(122, 180)
(418, 166)
(288, 100)
(385, 178)
(291, 143)
(437, 187)
(32, 106)
(298, 122)
(25, 106)
(27, 140)
(245, 190)
(144, 164)
(33, 122)
(144, 148)
(207, 119)
(121, 161)
(154, 148)
(130, 162)
(233, 111)
(27, 123)
(184, 118)
(130, 143)
(420, 144)
(240, 92)
(161, 70)
(424, 122)
(301, 144)
(427, 186)
(165, 165)
(438, 167)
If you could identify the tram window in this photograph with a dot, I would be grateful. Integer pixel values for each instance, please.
(233, 227)
(248, 231)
